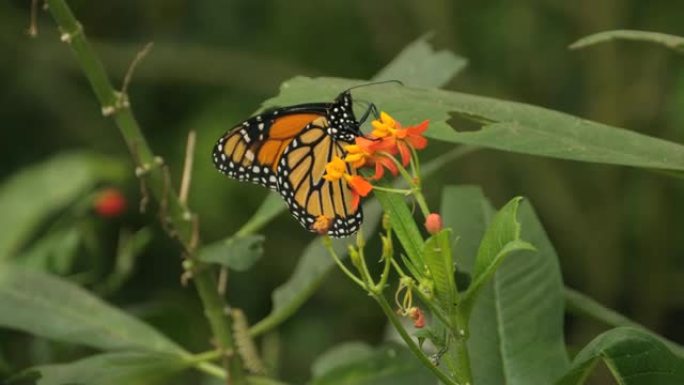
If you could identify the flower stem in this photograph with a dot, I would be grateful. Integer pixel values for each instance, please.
(328, 245)
(155, 178)
(460, 359)
(415, 187)
(393, 190)
(415, 349)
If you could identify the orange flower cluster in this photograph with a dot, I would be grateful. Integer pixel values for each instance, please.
(387, 139)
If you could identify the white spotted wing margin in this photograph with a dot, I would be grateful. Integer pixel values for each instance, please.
(236, 153)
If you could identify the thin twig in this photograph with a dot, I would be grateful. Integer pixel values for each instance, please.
(33, 25)
(187, 167)
(131, 69)
(222, 285)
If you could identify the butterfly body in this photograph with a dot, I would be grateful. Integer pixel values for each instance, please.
(286, 149)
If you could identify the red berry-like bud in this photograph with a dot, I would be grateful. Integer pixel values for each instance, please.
(433, 223)
(109, 203)
(417, 316)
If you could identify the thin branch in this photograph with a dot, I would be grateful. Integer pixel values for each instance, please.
(222, 285)
(33, 24)
(131, 69)
(150, 169)
(187, 167)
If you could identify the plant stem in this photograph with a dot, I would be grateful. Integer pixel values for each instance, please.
(154, 177)
(392, 316)
(328, 245)
(211, 369)
(459, 348)
(415, 187)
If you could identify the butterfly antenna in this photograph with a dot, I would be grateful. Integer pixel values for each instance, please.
(375, 84)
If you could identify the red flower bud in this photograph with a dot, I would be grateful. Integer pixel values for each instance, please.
(433, 223)
(417, 316)
(109, 203)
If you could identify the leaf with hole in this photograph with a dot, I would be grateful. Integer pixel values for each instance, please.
(503, 125)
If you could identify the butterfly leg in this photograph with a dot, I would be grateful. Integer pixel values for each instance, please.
(372, 109)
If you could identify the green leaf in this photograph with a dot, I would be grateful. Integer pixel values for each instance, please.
(311, 269)
(271, 207)
(238, 253)
(419, 65)
(516, 324)
(50, 307)
(670, 41)
(507, 126)
(55, 252)
(403, 225)
(36, 192)
(341, 355)
(130, 247)
(388, 365)
(130, 368)
(438, 259)
(633, 356)
(465, 210)
(500, 240)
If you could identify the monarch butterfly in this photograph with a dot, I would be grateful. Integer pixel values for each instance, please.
(286, 149)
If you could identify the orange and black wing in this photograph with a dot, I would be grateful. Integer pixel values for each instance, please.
(251, 151)
(300, 181)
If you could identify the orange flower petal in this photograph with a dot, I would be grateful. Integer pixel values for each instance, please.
(390, 165)
(418, 142)
(356, 199)
(360, 185)
(404, 152)
(379, 171)
(418, 129)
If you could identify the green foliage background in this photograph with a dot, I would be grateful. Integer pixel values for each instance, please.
(616, 230)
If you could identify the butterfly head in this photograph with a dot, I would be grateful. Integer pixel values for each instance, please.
(343, 122)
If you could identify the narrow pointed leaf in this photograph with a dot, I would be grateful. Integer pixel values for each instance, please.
(501, 238)
(50, 307)
(419, 65)
(130, 368)
(670, 41)
(437, 256)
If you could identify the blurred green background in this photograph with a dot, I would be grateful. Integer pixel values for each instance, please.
(617, 230)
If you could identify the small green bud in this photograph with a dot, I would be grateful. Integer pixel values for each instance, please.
(386, 224)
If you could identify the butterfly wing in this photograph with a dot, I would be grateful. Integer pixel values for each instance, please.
(251, 150)
(300, 181)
